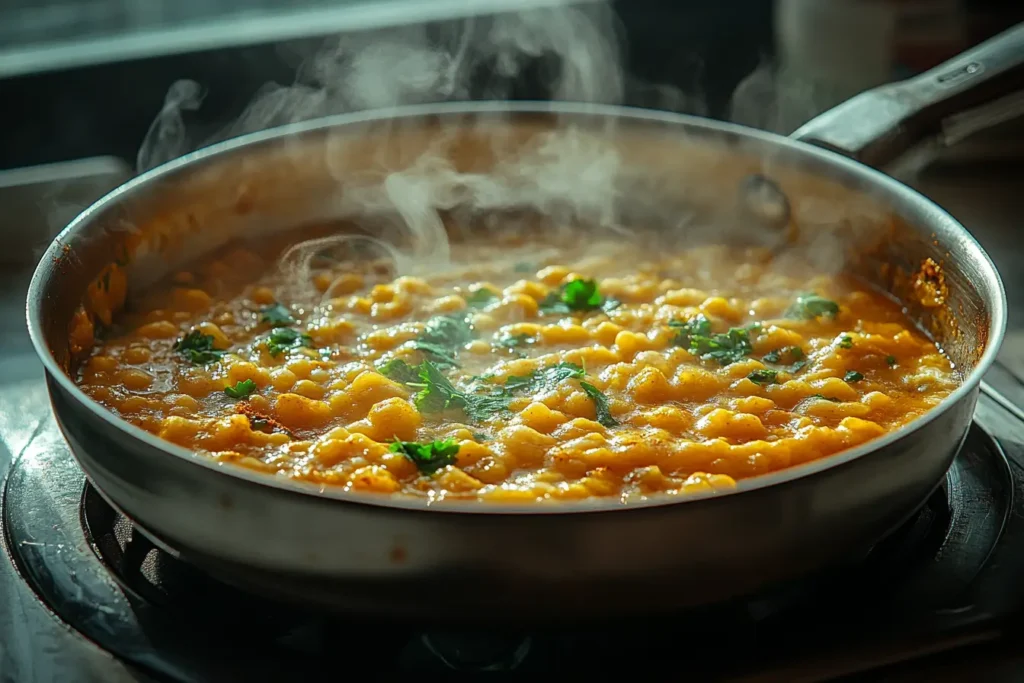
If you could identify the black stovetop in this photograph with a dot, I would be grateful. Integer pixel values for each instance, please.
(947, 578)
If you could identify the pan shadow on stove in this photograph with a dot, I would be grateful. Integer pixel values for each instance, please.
(168, 618)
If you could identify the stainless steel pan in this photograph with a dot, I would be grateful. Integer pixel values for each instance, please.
(374, 555)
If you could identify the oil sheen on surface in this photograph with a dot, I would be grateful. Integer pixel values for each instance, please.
(521, 373)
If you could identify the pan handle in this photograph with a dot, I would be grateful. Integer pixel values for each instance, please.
(981, 86)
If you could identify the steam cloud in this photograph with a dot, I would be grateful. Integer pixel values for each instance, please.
(576, 178)
(477, 58)
(572, 49)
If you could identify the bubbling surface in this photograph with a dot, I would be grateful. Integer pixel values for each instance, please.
(532, 368)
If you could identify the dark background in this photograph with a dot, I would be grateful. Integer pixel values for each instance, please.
(702, 48)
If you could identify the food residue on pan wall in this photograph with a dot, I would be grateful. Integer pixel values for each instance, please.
(930, 284)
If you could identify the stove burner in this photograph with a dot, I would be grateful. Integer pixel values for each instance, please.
(107, 580)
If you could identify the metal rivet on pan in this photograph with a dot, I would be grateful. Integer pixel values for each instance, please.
(763, 200)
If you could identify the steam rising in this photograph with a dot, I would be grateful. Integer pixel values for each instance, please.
(476, 58)
(575, 178)
(574, 53)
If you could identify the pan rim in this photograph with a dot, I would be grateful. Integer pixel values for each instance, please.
(908, 199)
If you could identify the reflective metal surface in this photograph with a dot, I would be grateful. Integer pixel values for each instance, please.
(946, 579)
(37, 646)
(487, 561)
(975, 90)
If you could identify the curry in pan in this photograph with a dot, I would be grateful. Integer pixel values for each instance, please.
(515, 375)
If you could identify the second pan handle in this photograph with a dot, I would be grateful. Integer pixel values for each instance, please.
(982, 86)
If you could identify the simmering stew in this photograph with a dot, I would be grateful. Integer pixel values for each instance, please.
(516, 372)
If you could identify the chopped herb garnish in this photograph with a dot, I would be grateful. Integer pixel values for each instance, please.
(400, 371)
(198, 348)
(604, 415)
(277, 315)
(481, 298)
(825, 398)
(442, 355)
(793, 353)
(726, 348)
(581, 295)
(763, 377)
(577, 295)
(890, 360)
(512, 341)
(448, 330)
(543, 379)
(241, 389)
(428, 457)
(846, 342)
(809, 306)
(698, 326)
(283, 339)
(442, 338)
(853, 376)
(438, 394)
(480, 437)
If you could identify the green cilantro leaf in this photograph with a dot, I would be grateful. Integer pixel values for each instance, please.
(277, 315)
(241, 389)
(400, 371)
(846, 342)
(793, 353)
(428, 457)
(441, 355)
(825, 398)
(482, 407)
(853, 376)
(698, 326)
(512, 341)
(481, 298)
(891, 361)
(198, 348)
(545, 378)
(283, 339)
(604, 415)
(438, 394)
(448, 330)
(577, 295)
(763, 377)
(581, 295)
(442, 338)
(809, 306)
(726, 348)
